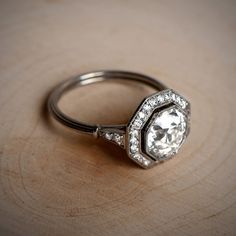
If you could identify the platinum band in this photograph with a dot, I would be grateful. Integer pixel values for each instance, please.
(90, 78)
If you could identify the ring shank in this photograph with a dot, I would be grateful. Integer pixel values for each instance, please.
(90, 78)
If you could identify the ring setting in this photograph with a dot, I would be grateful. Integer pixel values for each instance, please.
(158, 128)
(156, 131)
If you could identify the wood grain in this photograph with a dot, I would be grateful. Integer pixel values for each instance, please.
(56, 182)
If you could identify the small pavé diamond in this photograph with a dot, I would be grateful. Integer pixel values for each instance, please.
(160, 98)
(183, 104)
(178, 99)
(138, 123)
(136, 156)
(142, 159)
(133, 148)
(153, 102)
(108, 136)
(134, 141)
(117, 138)
(173, 96)
(167, 97)
(122, 140)
(146, 162)
(147, 108)
(114, 137)
(141, 115)
(134, 133)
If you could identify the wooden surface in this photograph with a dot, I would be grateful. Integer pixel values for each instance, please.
(56, 182)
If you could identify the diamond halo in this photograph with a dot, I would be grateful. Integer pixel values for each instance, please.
(155, 105)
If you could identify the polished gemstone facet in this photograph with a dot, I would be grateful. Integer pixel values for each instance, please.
(166, 133)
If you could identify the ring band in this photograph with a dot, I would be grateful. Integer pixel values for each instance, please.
(155, 132)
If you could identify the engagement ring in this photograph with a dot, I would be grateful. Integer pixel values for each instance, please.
(155, 132)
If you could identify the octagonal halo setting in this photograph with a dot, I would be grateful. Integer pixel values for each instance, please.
(158, 128)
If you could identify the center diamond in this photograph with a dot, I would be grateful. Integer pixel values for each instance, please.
(165, 133)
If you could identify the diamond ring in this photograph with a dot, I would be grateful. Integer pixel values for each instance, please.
(155, 132)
